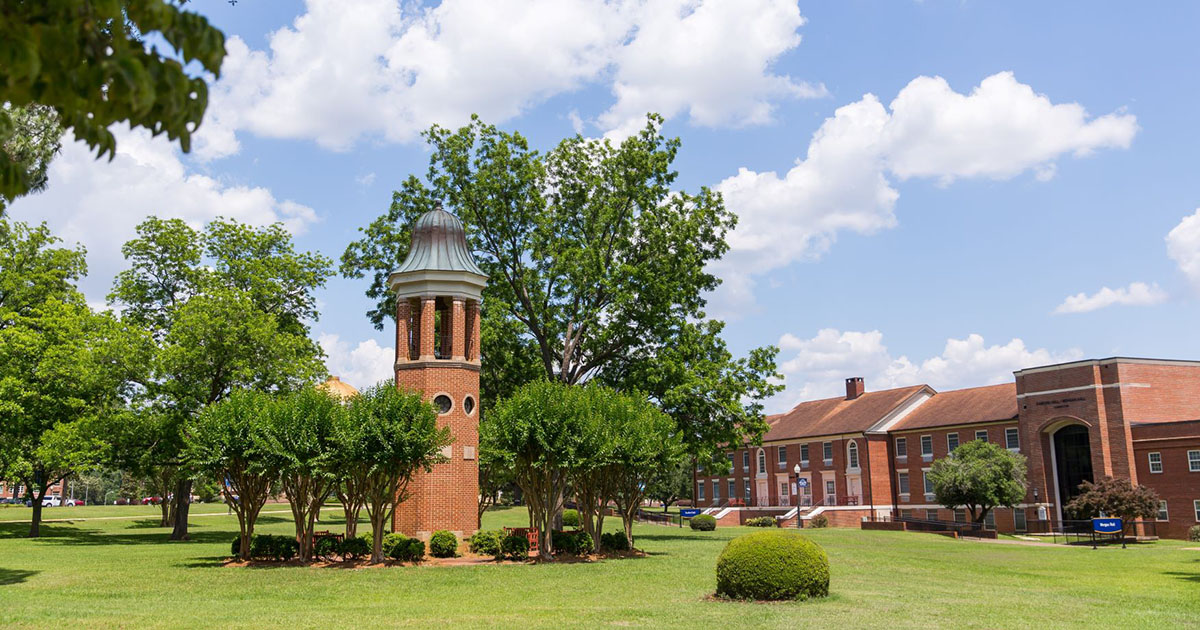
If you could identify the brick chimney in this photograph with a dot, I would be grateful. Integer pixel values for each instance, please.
(854, 387)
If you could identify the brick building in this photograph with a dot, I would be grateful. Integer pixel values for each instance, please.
(867, 453)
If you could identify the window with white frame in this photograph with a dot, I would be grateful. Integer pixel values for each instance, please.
(928, 483)
(732, 489)
(746, 489)
(745, 461)
(762, 462)
(1156, 462)
(804, 454)
(830, 492)
(731, 466)
(1012, 439)
(782, 450)
(1196, 508)
(989, 521)
(1162, 511)
(1193, 461)
(926, 447)
(716, 490)
(700, 491)
(901, 448)
(902, 482)
(827, 452)
(951, 442)
(981, 435)
(852, 454)
(960, 516)
(906, 514)
(931, 515)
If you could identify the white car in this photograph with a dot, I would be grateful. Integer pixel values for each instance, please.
(51, 500)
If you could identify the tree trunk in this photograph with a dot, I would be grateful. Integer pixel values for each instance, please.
(165, 507)
(183, 495)
(35, 522)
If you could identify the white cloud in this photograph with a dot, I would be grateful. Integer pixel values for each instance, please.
(366, 179)
(362, 365)
(1002, 128)
(382, 68)
(1136, 294)
(817, 367)
(1183, 246)
(99, 203)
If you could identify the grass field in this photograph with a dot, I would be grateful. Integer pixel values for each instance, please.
(123, 573)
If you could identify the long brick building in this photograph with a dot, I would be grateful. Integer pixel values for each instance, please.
(868, 452)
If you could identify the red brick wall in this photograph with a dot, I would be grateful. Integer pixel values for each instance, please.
(1176, 484)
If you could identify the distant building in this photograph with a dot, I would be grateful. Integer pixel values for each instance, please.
(338, 388)
(869, 452)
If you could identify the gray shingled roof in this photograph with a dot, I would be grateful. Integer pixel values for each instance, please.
(439, 243)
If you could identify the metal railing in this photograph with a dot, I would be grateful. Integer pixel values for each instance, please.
(1081, 531)
(971, 530)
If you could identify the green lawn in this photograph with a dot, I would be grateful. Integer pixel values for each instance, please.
(124, 574)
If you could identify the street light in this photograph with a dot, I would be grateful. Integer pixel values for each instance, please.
(796, 470)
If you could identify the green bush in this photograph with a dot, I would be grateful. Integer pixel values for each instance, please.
(443, 544)
(1194, 533)
(326, 548)
(237, 545)
(269, 547)
(409, 550)
(570, 518)
(260, 546)
(614, 541)
(772, 565)
(574, 542)
(355, 548)
(486, 542)
(761, 521)
(390, 541)
(819, 521)
(515, 547)
(704, 522)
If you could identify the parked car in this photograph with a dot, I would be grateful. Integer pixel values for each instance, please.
(121, 501)
(76, 502)
(51, 500)
(152, 500)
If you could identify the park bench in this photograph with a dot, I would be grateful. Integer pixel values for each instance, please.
(530, 534)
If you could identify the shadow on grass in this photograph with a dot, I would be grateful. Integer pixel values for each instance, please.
(59, 533)
(206, 562)
(1180, 575)
(9, 577)
(147, 523)
(687, 537)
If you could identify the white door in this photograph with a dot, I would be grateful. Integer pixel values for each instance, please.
(854, 488)
(763, 498)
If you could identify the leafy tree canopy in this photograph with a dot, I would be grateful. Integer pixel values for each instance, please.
(33, 269)
(1114, 497)
(979, 476)
(30, 137)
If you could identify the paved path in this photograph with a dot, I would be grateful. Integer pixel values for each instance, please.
(131, 518)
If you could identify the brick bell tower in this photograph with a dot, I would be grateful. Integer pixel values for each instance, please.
(438, 290)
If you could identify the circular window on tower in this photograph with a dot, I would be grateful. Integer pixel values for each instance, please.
(469, 404)
(443, 403)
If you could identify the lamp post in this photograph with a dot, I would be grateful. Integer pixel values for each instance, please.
(796, 470)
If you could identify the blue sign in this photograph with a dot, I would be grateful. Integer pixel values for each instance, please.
(689, 512)
(803, 482)
(1107, 525)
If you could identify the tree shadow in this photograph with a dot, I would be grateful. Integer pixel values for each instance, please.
(9, 577)
(687, 537)
(147, 523)
(204, 562)
(1190, 577)
(62, 534)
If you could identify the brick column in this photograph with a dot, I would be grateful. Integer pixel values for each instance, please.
(428, 312)
(458, 330)
(476, 315)
(403, 346)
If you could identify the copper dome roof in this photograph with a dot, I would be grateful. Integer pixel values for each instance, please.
(439, 243)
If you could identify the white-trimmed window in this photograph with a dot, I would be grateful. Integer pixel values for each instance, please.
(1156, 462)
(700, 491)
(745, 461)
(927, 447)
(1193, 461)
(827, 453)
(782, 450)
(931, 515)
(928, 484)
(732, 488)
(901, 448)
(902, 482)
(746, 488)
(989, 521)
(1162, 511)
(762, 462)
(906, 514)
(960, 516)
(830, 492)
(981, 435)
(731, 466)
(804, 454)
(1196, 509)
(951, 442)
(1012, 439)
(716, 490)
(852, 454)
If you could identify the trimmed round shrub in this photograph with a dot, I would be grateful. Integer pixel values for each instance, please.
(260, 546)
(443, 544)
(486, 542)
(575, 542)
(1194, 533)
(704, 522)
(515, 547)
(570, 518)
(772, 565)
(325, 548)
(285, 548)
(761, 521)
(409, 550)
(355, 548)
(390, 541)
(614, 541)
(819, 521)
(583, 543)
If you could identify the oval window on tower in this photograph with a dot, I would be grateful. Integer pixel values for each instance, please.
(468, 405)
(443, 403)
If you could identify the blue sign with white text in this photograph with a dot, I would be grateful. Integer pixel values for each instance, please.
(689, 512)
(803, 482)
(1107, 525)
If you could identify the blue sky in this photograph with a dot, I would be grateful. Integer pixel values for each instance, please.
(1012, 157)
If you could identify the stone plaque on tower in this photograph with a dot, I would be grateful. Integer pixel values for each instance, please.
(438, 289)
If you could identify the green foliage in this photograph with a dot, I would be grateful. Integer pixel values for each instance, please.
(1114, 497)
(979, 476)
(772, 565)
(515, 547)
(486, 542)
(390, 541)
(577, 543)
(819, 521)
(612, 541)
(325, 548)
(760, 521)
(1194, 533)
(703, 522)
(570, 518)
(34, 268)
(409, 550)
(90, 62)
(443, 544)
(30, 137)
(354, 547)
(671, 483)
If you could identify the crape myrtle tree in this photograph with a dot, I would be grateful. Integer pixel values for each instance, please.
(228, 440)
(227, 307)
(979, 476)
(645, 442)
(1114, 497)
(385, 437)
(596, 263)
(89, 63)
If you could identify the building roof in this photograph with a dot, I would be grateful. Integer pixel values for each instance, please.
(963, 406)
(834, 416)
(439, 243)
(338, 388)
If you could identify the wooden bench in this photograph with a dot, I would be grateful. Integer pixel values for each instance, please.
(530, 534)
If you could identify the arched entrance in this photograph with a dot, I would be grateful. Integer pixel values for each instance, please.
(1072, 462)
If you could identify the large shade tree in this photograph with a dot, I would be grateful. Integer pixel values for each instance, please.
(979, 476)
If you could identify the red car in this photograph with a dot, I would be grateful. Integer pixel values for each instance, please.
(76, 502)
(151, 500)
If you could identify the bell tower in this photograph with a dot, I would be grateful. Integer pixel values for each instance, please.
(438, 290)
